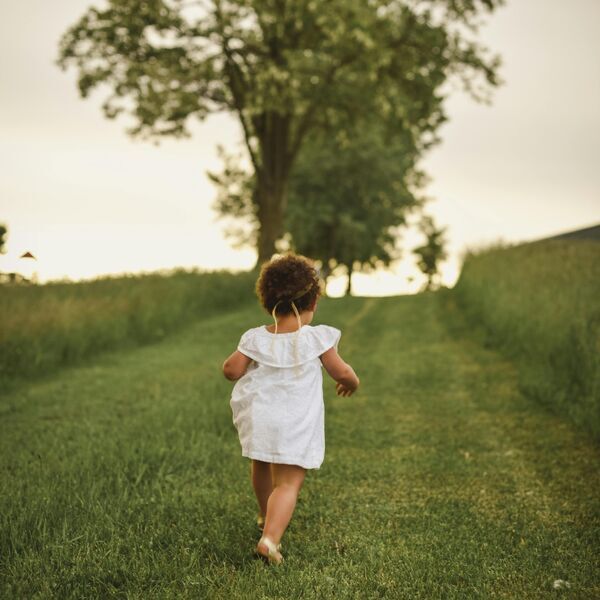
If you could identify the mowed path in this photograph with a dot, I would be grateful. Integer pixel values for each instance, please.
(124, 478)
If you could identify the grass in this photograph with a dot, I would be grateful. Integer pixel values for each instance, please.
(124, 478)
(59, 324)
(540, 305)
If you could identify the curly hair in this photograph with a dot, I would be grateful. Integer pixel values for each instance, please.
(286, 278)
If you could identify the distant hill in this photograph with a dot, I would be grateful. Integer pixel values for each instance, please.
(589, 233)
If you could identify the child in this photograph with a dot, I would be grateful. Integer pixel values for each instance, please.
(277, 401)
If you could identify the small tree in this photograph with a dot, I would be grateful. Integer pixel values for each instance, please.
(3, 232)
(433, 252)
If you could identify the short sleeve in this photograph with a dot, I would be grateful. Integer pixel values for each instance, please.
(287, 350)
(329, 337)
(245, 343)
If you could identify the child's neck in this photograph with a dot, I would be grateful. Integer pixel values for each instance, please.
(289, 323)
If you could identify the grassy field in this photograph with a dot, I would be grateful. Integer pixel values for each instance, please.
(540, 305)
(43, 327)
(123, 477)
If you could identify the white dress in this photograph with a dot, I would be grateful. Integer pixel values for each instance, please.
(277, 404)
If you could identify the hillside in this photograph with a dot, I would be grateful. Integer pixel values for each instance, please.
(124, 477)
(539, 303)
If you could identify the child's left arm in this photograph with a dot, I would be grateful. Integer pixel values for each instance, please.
(235, 366)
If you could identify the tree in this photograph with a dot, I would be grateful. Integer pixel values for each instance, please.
(349, 198)
(3, 232)
(433, 252)
(282, 67)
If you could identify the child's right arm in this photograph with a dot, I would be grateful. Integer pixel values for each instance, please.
(235, 366)
(341, 372)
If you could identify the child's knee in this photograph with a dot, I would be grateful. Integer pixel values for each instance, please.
(290, 488)
(289, 480)
(288, 474)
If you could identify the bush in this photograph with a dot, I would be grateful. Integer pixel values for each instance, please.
(43, 327)
(540, 304)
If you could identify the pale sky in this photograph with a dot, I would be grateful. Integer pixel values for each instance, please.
(87, 200)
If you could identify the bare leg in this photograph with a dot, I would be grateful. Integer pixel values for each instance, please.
(261, 482)
(287, 482)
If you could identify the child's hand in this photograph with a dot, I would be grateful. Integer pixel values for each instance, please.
(341, 372)
(342, 390)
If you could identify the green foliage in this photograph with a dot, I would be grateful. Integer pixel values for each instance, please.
(348, 198)
(540, 303)
(433, 252)
(3, 232)
(236, 200)
(255, 57)
(283, 68)
(123, 479)
(49, 326)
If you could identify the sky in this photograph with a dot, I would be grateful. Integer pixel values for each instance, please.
(87, 200)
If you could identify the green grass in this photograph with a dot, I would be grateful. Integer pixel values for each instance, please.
(48, 326)
(124, 478)
(540, 305)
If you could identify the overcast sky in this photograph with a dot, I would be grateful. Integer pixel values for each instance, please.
(86, 199)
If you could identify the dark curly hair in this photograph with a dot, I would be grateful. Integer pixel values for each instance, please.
(286, 278)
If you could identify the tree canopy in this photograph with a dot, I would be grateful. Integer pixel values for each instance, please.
(349, 199)
(283, 67)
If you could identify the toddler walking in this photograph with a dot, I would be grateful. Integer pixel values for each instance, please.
(277, 401)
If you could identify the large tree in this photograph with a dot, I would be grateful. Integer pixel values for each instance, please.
(283, 67)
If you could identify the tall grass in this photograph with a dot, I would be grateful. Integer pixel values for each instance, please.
(540, 303)
(48, 326)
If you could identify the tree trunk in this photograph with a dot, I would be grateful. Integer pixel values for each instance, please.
(349, 285)
(272, 181)
(267, 236)
(270, 215)
(429, 281)
(324, 274)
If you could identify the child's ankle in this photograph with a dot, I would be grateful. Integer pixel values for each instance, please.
(273, 538)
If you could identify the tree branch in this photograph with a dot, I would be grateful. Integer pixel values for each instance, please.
(236, 79)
